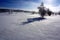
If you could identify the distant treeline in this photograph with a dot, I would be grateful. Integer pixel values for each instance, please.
(4, 10)
(12, 10)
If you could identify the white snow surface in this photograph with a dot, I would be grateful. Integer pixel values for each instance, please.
(12, 27)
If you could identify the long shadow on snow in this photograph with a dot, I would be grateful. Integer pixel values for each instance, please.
(30, 20)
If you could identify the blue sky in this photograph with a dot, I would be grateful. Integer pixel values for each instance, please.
(30, 4)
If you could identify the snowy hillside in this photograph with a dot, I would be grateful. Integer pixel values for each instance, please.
(27, 26)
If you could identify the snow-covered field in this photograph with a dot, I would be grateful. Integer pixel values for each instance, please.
(25, 26)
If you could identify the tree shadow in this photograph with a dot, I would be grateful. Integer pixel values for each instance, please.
(30, 20)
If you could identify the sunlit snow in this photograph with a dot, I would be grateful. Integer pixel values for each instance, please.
(12, 27)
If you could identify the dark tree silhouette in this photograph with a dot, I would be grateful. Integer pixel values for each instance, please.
(42, 10)
(49, 12)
